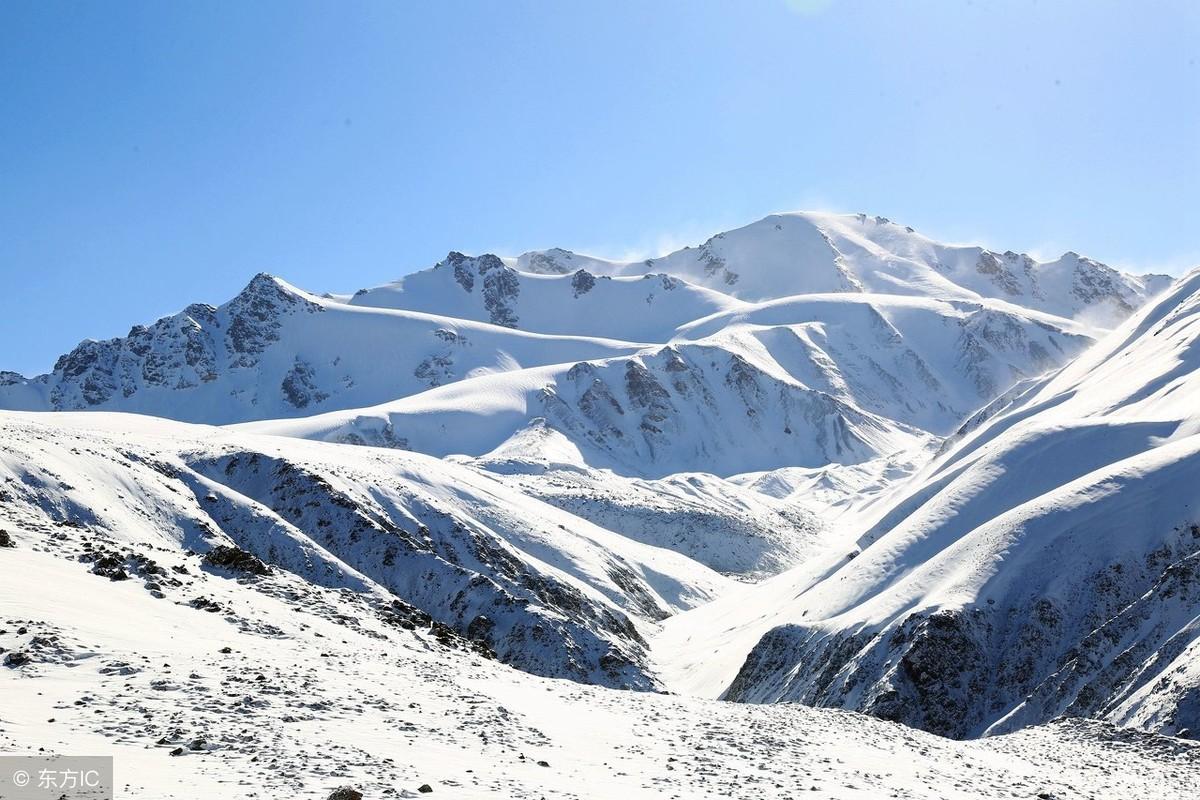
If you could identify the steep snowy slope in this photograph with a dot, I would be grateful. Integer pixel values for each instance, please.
(806, 252)
(1047, 564)
(642, 308)
(675, 409)
(276, 351)
(800, 383)
(546, 591)
(292, 690)
(918, 361)
(732, 529)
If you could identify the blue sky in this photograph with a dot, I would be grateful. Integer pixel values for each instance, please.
(156, 154)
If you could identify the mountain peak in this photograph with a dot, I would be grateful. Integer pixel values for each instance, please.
(264, 284)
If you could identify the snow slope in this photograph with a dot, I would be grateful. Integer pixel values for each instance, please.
(734, 530)
(545, 590)
(294, 690)
(674, 409)
(642, 308)
(804, 381)
(1045, 565)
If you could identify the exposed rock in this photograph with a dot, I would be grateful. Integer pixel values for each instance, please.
(110, 566)
(582, 282)
(300, 387)
(501, 287)
(16, 658)
(235, 559)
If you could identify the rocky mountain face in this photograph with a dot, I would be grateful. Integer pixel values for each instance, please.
(178, 352)
(276, 351)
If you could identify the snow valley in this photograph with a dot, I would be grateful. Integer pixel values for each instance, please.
(818, 505)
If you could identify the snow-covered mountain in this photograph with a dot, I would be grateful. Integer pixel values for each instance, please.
(820, 459)
(277, 351)
(803, 381)
(807, 253)
(644, 376)
(1045, 565)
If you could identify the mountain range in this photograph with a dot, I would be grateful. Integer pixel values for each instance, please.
(820, 459)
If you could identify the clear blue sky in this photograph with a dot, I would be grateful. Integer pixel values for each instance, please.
(154, 154)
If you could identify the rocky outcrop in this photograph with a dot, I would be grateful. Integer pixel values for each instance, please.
(179, 352)
(714, 264)
(500, 284)
(300, 386)
(1003, 271)
(438, 368)
(582, 282)
(254, 318)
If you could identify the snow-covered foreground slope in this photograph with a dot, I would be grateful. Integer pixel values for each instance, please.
(283, 688)
(545, 590)
(1047, 564)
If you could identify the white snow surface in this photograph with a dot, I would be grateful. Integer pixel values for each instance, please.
(294, 690)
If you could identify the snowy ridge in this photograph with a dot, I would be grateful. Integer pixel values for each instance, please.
(805, 381)
(807, 253)
(644, 308)
(276, 351)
